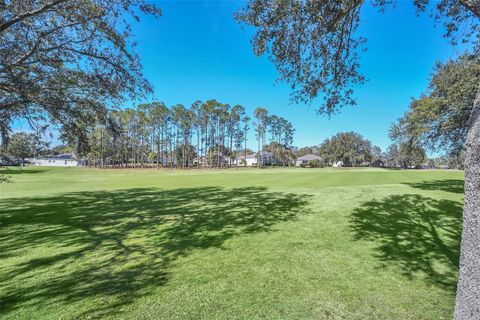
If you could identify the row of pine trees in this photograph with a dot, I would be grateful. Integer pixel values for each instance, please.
(206, 134)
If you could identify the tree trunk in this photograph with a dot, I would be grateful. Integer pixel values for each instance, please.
(158, 154)
(198, 146)
(162, 148)
(468, 290)
(258, 153)
(245, 150)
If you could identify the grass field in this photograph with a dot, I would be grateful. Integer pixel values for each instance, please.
(229, 244)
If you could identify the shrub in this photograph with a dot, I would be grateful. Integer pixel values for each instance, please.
(313, 164)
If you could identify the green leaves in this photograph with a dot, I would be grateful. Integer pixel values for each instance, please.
(439, 120)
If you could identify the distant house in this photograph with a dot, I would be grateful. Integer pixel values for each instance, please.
(305, 160)
(250, 160)
(62, 160)
(377, 163)
(337, 164)
(265, 158)
(200, 161)
(164, 159)
(427, 166)
(217, 159)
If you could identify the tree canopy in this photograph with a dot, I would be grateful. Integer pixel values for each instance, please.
(404, 155)
(23, 145)
(440, 118)
(67, 61)
(348, 147)
(207, 134)
(315, 47)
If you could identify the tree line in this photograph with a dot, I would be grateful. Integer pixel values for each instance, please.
(205, 134)
(351, 149)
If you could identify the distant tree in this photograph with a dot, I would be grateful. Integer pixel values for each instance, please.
(281, 131)
(178, 114)
(204, 119)
(216, 155)
(456, 161)
(245, 129)
(196, 123)
(282, 154)
(404, 155)
(185, 154)
(234, 128)
(159, 118)
(410, 155)
(222, 113)
(262, 120)
(304, 151)
(243, 151)
(349, 147)
(23, 145)
(377, 158)
(430, 163)
(286, 134)
(56, 150)
(392, 156)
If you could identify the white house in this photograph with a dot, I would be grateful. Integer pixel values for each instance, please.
(62, 160)
(266, 158)
(250, 160)
(337, 164)
(307, 158)
(200, 161)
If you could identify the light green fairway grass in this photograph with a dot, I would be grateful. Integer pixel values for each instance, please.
(80, 243)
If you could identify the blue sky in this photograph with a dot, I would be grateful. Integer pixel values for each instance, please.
(197, 51)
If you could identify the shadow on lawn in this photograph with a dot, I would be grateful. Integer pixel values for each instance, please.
(447, 185)
(20, 170)
(419, 234)
(115, 246)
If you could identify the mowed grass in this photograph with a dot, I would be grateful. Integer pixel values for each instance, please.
(297, 243)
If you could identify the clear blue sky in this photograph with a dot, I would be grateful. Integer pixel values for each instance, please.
(197, 51)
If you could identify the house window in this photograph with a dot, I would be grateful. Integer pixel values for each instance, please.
(49, 161)
(65, 162)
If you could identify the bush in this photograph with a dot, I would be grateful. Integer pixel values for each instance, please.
(313, 164)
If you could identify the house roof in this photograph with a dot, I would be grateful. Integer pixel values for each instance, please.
(249, 156)
(266, 154)
(309, 157)
(63, 156)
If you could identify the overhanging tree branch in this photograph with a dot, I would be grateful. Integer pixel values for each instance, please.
(28, 14)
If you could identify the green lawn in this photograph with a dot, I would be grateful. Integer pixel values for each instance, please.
(229, 244)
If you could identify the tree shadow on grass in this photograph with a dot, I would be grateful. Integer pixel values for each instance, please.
(447, 185)
(421, 235)
(116, 246)
(21, 170)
